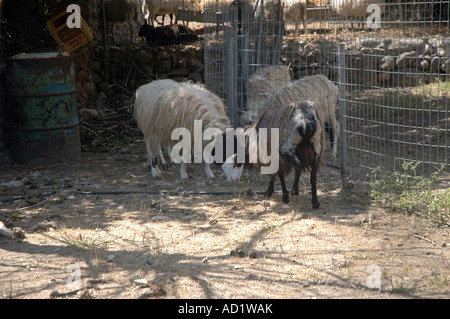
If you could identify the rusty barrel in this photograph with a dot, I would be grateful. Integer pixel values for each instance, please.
(42, 108)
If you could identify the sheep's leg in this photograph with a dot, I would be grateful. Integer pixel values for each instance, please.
(296, 181)
(183, 173)
(169, 151)
(336, 132)
(290, 156)
(209, 173)
(313, 181)
(285, 197)
(270, 189)
(150, 162)
(332, 130)
(161, 157)
(160, 23)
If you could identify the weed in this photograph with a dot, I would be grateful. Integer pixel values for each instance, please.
(437, 281)
(400, 287)
(406, 191)
(83, 242)
(271, 228)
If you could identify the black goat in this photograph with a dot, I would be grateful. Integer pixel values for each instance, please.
(165, 35)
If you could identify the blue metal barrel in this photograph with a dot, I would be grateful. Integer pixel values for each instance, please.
(42, 108)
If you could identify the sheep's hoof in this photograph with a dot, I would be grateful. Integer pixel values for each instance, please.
(294, 193)
(285, 198)
(156, 173)
(315, 205)
(165, 166)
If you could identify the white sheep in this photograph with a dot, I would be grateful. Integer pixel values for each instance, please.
(164, 105)
(321, 92)
(354, 9)
(259, 86)
(152, 8)
(294, 11)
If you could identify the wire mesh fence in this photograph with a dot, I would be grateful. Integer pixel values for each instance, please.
(395, 63)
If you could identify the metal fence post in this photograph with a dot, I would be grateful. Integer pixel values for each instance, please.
(231, 82)
(342, 118)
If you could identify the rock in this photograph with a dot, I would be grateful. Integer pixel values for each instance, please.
(44, 226)
(195, 77)
(97, 79)
(106, 88)
(143, 57)
(441, 46)
(144, 73)
(423, 65)
(445, 67)
(370, 42)
(405, 60)
(141, 282)
(102, 96)
(402, 45)
(240, 252)
(89, 113)
(96, 66)
(409, 77)
(18, 233)
(387, 63)
(181, 62)
(384, 76)
(188, 51)
(134, 277)
(14, 184)
(110, 258)
(181, 72)
(162, 66)
(252, 255)
(435, 64)
(195, 66)
(163, 55)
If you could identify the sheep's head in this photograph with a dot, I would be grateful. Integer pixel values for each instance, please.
(232, 170)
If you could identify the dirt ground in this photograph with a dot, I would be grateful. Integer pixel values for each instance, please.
(136, 237)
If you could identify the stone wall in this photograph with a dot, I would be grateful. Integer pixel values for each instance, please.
(374, 62)
(121, 70)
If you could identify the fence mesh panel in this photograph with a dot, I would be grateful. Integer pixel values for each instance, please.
(396, 62)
